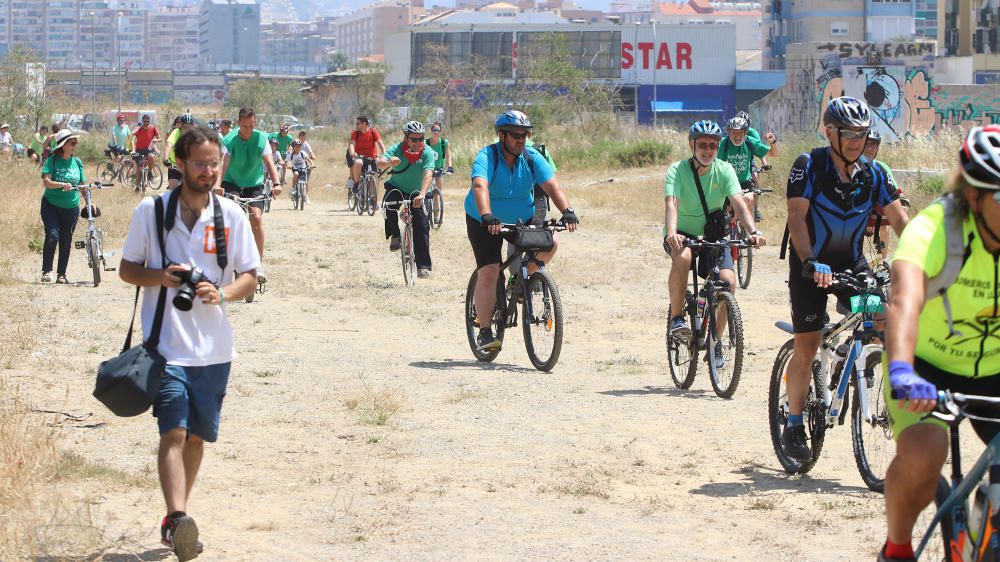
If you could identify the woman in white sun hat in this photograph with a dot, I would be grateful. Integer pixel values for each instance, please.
(6, 142)
(60, 206)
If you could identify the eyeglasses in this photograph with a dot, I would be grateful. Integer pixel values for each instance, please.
(517, 136)
(74, 143)
(435, 130)
(415, 139)
(706, 145)
(202, 165)
(850, 134)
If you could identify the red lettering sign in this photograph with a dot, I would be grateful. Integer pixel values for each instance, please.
(680, 61)
(645, 48)
(663, 58)
(627, 59)
(683, 56)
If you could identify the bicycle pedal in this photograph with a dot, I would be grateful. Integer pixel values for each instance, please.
(79, 244)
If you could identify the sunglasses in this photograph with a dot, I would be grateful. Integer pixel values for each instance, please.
(435, 130)
(415, 139)
(517, 136)
(706, 145)
(848, 134)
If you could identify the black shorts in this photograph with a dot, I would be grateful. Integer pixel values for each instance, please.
(145, 151)
(747, 185)
(485, 246)
(174, 174)
(245, 192)
(809, 301)
(705, 264)
(984, 386)
(117, 150)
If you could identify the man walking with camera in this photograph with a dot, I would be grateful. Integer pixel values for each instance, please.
(205, 241)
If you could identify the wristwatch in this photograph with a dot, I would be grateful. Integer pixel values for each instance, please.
(757, 233)
(569, 210)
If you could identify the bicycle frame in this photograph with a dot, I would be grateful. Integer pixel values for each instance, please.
(527, 258)
(711, 285)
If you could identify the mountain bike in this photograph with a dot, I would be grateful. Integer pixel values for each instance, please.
(743, 254)
(368, 188)
(406, 252)
(93, 241)
(299, 190)
(723, 345)
(244, 203)
(880, 239)
(434, 202)
(146, 177)
(267, 191)
(958, 531)
(541, 311)
(839, 365)
(112, 170)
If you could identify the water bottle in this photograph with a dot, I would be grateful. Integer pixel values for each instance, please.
(699, 315)
(976, 513)
(839, 356)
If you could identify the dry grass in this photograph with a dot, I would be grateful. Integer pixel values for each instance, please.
(374, 407)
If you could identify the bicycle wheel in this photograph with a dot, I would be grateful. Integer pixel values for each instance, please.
(370, 196)
(352, 198)
(302, 195)
(126, 172)
(744, 261)
(294, 196)
(266, 192)
(939, 543)
(437, 214)
(94, 257)
(362, 197)
(725, 373)
(682, 357)
(814, 412)
(498, 321)
(407, 256)
(156, 176)
(106, 172)
(872, 439)
(543, 330)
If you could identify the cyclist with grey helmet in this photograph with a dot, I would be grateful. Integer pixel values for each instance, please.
(739, 149)
(503, 178)
(412, 162)
(174, 175)
(684, 216)
(831, 192)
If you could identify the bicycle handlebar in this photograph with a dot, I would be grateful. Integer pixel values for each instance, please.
(551, 224)
(951, 406)
(864, 282)
(94, 185)
(239, 199)
(696, 243)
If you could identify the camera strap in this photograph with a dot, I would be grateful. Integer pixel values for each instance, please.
(220, 228)
(701, 192)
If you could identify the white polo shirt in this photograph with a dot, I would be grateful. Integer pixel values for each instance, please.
(201, 336)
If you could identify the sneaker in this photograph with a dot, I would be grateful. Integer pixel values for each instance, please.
(793, 441)
(179, 532)
(261, 275)
(720, 360)
(485, 341)
(883, 558)
(351, 185)
(47, 277)
(61, 280)
(394, 244)
(679, 329)
(423, 273)
(757, 216)
(305, 197)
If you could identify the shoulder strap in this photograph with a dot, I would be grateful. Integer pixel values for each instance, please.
(220, 226)
(701, 192)
(957, 250)
(153, 339)
(786, 239)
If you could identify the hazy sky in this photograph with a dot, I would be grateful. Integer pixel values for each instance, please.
(352, 4)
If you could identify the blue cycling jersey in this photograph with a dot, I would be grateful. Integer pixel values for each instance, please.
(511, 189)
(838, 211)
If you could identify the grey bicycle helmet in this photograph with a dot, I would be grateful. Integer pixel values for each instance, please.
(186, 119)
(847, 112)
(512, 119)
(705, 128)
(413, 128)
(980, 157)
(874, 135)
(738, 124)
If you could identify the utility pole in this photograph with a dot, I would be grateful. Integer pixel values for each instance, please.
(93, 59)
(656, 50)
(118, 45)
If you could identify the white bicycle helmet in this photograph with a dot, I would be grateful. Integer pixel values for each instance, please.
(980, 157)
(414, 128)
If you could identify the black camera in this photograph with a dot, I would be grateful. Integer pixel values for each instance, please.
(184, 299)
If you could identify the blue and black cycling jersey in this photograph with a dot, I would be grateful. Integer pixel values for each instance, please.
(838, 211)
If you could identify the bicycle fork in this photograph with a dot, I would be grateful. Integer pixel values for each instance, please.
(855, 366)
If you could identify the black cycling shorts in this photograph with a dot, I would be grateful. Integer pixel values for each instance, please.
(174, 174)
(809, 301)
(485, 246)
(705, 264)
(245, 192)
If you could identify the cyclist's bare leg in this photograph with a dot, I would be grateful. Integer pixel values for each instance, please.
(356, 171)
(729, 276)
(257, 226)
(912, 478)
(545, 257)
(439, 182)
(751, 200)
(178, 460)
(800, 370)
(680, 268)
(485, 297)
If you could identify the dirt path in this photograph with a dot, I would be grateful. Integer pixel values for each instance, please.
(359, 426)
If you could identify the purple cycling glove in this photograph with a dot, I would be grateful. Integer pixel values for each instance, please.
(906, 384)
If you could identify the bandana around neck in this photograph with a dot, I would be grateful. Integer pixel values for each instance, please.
(412, 157)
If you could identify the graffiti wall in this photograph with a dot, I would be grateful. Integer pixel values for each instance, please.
(895, 79)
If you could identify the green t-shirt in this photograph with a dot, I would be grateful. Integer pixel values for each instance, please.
(719, 184)
(246, 158)
(753, 134)
(548, 157)
(36, 145)
(69, 170)
(740, 157)
(283, 141)
(409, 178)
(172, 139)
(439, 149)
(971, 297)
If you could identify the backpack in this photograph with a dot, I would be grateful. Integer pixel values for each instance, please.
(957, 251)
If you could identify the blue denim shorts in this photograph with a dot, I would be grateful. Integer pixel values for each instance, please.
(191, 397)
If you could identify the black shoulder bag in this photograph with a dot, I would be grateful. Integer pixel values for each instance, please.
(128, 384)
(716, 222)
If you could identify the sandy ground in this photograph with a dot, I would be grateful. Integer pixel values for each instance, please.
(600, 459)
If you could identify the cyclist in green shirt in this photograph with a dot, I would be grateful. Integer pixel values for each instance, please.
(284, 139)
(941, 341)
(412, 163)
(174, 175)
(739, 149)
(60, 205)
(37, 148)
(443, 163)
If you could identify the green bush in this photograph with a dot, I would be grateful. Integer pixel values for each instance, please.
(642, 153)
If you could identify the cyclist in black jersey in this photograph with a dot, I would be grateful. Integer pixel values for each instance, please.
(831, 192)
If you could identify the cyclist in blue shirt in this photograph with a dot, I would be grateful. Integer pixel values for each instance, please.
(503, 178)
(832, 191)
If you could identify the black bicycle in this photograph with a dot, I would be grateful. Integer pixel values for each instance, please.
(715, 321)
(541, 311)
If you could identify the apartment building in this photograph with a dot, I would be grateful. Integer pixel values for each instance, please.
(285, 43)
(746, 16)
(174, 38)
(229, 32)
(362, 33)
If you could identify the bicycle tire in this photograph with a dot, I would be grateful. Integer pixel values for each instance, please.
(370, 196)
(126, 172)
(94, 257)
(352, 199)
(873, 443)
(744, 261)
(302, 195)
(437, 209)
(498, 320)
(814, 411)
(407, 256)
(362, 198)
(682, 359)
(549, 321)
(106, 172)
(940, 543)
(723, 385)
(155, 177)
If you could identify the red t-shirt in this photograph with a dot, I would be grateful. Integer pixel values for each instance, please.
(144, 137)
(364, 143)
